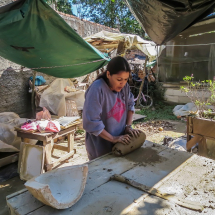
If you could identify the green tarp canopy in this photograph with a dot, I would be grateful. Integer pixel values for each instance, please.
(33, 35)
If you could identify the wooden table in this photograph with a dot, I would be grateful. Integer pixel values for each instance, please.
(48, 143)
(182, 174)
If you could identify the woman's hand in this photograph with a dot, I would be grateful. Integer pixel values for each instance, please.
(124, 139)
(132, 132)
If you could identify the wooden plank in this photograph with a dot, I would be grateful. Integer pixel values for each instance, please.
(188, 128)
(48, 156)
(110, 198)
(204, 127)
(19, 204)
(9, 159)
(59, 147)
(192, 142)
(51, 165)
(203, 151)
(99, 192)
(31, 136)
(70, 141)
(16, 193)
(46, 136)
(157, 165)
(100, 171)
(61, 133)
(210, 138)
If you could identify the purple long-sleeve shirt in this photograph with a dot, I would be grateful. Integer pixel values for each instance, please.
(104, 109)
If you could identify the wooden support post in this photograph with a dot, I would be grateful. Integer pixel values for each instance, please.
(203, 151)
(141, 86)
(32, 95)
(48, 155)
(189, 119)
(71, 141)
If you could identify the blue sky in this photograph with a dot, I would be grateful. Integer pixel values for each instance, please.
(74, 9)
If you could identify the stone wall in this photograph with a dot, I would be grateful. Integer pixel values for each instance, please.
(14, 91)
(83, 27)
(14, 84)
(4, 2)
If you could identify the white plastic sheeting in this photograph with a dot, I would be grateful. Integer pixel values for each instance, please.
(184, 110)
(9, 142)
(54, 98)
(147, 47)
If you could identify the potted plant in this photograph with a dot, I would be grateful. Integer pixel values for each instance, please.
(201, 123)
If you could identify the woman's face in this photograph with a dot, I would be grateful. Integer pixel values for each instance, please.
(117, 81)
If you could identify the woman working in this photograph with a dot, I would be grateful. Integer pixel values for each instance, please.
(108, 110)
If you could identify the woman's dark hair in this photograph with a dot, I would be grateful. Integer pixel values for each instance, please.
(116, 65)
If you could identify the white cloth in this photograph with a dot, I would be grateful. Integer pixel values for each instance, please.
(54, 98)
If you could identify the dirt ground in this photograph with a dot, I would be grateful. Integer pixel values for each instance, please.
(155, 132)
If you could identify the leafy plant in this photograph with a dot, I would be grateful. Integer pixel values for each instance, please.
(64, 6)
(156, 91)
(197, 91)
(80, 132)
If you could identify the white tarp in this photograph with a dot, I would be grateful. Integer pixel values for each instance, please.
(54, 98)
(184, 110)
(147, 47)
(9, 142)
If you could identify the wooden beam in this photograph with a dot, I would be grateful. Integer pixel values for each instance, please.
(63, 158)
(59, 147)
(192, 142)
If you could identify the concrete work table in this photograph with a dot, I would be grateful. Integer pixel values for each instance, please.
(185, 175)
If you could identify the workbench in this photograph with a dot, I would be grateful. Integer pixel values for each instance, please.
(182, 174)
(47, 140)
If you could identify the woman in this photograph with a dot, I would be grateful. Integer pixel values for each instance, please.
(108, 110)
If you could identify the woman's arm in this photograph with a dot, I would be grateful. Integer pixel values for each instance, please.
(129, 117)
(128, 128)
(124, 139)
